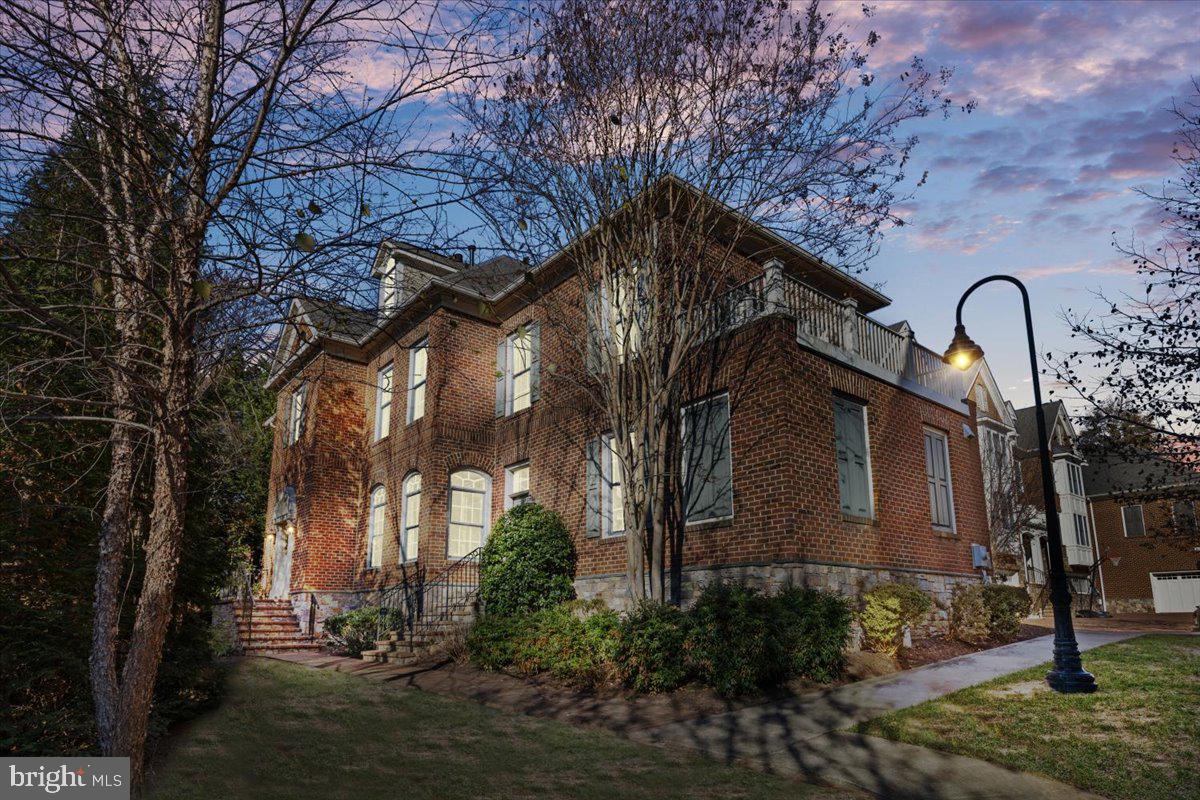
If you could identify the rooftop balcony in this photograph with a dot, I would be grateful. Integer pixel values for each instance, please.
(837, 329)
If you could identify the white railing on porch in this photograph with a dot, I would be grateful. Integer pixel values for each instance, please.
(839, 324)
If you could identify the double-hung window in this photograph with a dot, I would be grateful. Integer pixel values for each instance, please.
(1081, 530)
(1135, 524)
(410, 521)
(605, 488)
(376, 524)
(1183, 514)
(937, 477)
(469, 504)
(383, 402)
(516, 485)
(1075, 479)
(707, 465)
(295, 415)
(517, 370)
(418, 361)
(853, 457)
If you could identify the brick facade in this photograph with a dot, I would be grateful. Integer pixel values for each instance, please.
(787, 524)
(1127, 583)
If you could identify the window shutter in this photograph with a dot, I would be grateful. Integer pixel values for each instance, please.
(593, 499)
(854, 478)
(501, 375)
(535, 361)
(302, 404)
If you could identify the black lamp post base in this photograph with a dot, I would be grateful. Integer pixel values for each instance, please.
(1071, 681)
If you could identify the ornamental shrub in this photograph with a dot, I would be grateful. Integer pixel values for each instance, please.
(352, 632)
(527, 563)
(969, 617)
(1006, 607)
(575, 642)
(887, 610)
(736, 642)
(816, 626)
(651, 654)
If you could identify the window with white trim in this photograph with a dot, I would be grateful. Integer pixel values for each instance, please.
(383, 401)
(1082, 533)
(707, 465)
(853, 457)
(1134, 522)
(410, 521)
(376, 525)
(516, 485)
(418, 362)
(937, 478)
(295, 415)
(469, 503)
(389, 289)
(520, 365)
(1074, 479)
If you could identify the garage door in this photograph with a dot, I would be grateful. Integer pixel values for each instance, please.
(1175, 591)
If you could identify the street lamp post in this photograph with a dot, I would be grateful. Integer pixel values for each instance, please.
(1068, 675)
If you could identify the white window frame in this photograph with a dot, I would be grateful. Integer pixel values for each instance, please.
(728, 447)
(1074, 479)
(384, 390)
(485, 523)
(295, 418)
(513, 496)
(389, 285)
(510, 371)
(610, 466)
(416, 389)
(953, 526)
(1141, 515)
(410, 524)
(1082, 529)
(376, 523)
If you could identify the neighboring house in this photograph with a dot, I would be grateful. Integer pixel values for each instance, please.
(401, 435)
(1146, 534)
(1079, 556)
(1007, 509)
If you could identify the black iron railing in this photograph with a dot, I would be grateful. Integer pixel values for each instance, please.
(420, 599)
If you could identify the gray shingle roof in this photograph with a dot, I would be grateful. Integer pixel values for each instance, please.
(336, 319)
(1027, 435)
(491, 276)
(1109, 475)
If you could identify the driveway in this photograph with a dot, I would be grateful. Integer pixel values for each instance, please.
(810, 735)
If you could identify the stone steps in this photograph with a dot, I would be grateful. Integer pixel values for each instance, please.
(271, 626)
(409, 647)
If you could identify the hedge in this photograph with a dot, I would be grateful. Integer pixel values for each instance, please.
(527, 563)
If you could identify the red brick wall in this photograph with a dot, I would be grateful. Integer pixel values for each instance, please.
(786, 503)
(1139, 556)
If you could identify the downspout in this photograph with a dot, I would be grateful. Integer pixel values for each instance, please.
(1096, 550)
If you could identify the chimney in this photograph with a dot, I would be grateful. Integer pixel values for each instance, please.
(471, 253)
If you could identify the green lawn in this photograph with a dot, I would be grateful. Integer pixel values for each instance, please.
(284, 731)
(1138, 737)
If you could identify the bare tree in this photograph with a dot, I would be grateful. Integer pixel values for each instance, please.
(232, 155)
(658, 138)
(1138, 363)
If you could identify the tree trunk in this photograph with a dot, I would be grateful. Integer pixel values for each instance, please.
(155, 604)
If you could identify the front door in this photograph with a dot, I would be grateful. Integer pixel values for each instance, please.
(281, 574)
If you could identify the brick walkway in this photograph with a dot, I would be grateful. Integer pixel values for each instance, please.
(807, 736)
(1142, 623)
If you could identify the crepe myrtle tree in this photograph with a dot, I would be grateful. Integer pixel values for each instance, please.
(229, 156)
(1136, 362)
(654, 137)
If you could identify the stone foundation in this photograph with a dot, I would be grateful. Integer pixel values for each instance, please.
(1139, 605)
(846, 580)
(328, 605)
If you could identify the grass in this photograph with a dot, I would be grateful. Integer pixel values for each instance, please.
(285, 731)
(1137, 737)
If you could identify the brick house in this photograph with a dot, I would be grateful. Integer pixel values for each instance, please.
(1146, 533)
(402, 433)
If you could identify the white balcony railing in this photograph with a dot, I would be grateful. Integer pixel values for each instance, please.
(840, 325)
(1079, 555)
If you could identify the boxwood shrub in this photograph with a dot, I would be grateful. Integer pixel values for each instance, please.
(527, 563)
(352, 632)
(887, 610)
(651, 653)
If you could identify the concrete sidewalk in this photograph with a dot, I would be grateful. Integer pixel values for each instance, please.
(810, 735)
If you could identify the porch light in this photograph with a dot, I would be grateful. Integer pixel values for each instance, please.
(963, 351)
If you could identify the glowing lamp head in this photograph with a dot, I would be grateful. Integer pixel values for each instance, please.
(962, 352)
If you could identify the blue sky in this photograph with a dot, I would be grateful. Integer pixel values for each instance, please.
(1073, 115)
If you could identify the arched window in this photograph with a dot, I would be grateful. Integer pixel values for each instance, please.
(470, 503)
(410, 521)
(376, 524)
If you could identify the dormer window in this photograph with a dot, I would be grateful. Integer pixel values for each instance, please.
(389, 285)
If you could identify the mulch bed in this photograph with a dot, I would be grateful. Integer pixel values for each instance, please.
(940, 648)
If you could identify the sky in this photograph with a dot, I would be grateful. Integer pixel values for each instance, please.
(1073, 116)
